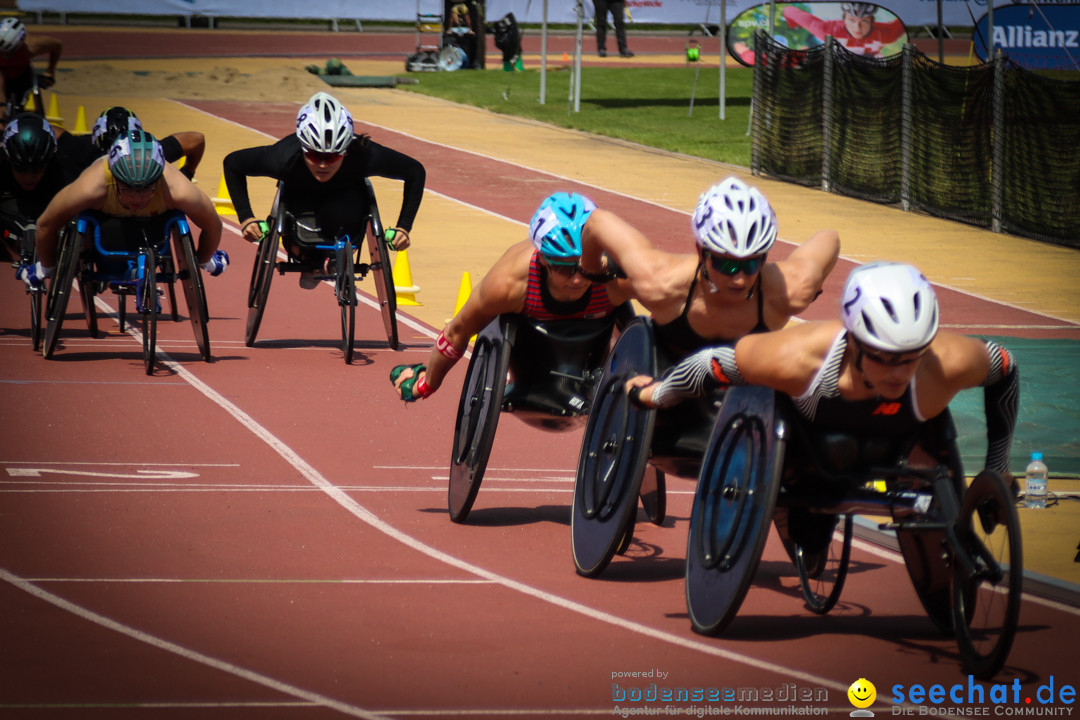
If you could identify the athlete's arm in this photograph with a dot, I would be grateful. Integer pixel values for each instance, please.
(193, 202)
(649, 272)
(383, 162)
(805, 269)
(85, 193)
(265, 161)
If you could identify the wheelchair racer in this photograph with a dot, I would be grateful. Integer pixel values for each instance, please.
(322, 168)
(132, 181)
(116, 121)
(17, 50)
(31, 174)
(540, 278)
(728, 288)
(880, 372)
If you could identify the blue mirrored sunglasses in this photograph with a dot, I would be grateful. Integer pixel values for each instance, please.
(566, 269)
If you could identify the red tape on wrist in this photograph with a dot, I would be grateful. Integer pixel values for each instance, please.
(421, 389)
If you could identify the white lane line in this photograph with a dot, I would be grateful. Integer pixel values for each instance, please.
(262, 581)
(186, 653)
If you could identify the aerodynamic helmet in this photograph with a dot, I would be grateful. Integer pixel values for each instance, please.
(324, 125)
(111, 124)
(12, 35)
(858, 9)
(29, 142)
(733, 218)
(556, 227)
(890, 307)
(136, 159)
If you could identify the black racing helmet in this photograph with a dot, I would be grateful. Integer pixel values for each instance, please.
(136, 159)
(111, 124)
(29, 142)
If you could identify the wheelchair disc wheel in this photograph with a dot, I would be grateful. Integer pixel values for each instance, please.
(146, 303)
(654, 495)
(345, 287)
(67, 267)
(733, 506)
(262, 273)
(822, 575)
(194, 292)
(986, 597)
(381, 269)
(614, 454)
(477, 418)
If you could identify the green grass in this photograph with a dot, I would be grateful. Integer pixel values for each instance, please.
(649, 106)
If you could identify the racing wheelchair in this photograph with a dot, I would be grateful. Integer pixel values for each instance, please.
(18, 238)
(543, 372)
(129, 256)
(627, 452)
(18, 99)
(961, 544)
(306, 245)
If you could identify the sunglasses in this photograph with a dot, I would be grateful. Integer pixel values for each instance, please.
(564, 269)
(732, 267)
(893, 359)
(323, 157)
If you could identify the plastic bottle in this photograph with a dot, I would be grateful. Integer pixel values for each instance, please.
(1035, 483)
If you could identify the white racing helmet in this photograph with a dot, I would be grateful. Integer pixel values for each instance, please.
(324, 124)
(12, 35)
(733, 218)
(890, 307)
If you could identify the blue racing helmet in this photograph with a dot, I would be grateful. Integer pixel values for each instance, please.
(556, 227)
(136, 159)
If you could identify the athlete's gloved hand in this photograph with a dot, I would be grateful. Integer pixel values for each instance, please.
(397, 238)
(216, 264)
(33, 274)
(412, 388)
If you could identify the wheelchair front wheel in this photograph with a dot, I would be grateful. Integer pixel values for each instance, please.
(345, 287)
(734, 504)
(986, 596)
(194, 292)
(822, 575)
(262, 273)
(379, 252)
(477, 418)
(67, 267)
(146, 303)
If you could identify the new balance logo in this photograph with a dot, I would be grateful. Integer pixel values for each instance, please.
(887, 408)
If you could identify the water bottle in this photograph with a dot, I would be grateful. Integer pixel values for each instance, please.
(1035, 482)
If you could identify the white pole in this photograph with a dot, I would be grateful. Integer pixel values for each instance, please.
(543, 56)
(723, 59)
(576, 84)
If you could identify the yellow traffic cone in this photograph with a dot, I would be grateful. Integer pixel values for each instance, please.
(31, 104)
(403, 283)
(223, 202)
(80, 122)
(53, 115)
(463, 293)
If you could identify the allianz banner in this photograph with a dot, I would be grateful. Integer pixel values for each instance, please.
(1037, 37)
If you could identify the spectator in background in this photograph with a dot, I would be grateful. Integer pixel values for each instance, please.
(617, 8)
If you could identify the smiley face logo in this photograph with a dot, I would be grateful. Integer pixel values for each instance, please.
(862, 693)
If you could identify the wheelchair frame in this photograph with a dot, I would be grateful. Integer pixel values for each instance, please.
(346, 271)
(26, 249)
(14, 108)
(169, 261)
(552, 396)
(948, 534)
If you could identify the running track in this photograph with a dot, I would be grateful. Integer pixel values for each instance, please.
(265, 536)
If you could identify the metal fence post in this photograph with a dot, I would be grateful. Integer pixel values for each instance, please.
(906, 129)
(827, 112)
(997, 145)
(755, 101)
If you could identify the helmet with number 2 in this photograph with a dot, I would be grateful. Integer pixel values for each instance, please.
(890, 307)
(324, 125)
(735, 219)
(556, 227)
(136, 159)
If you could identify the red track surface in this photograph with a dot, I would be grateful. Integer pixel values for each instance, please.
(266, 536)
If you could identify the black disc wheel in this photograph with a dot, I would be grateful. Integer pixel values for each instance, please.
(986, 590)
(67, 267)
(383, 272)
(654, 495)
(614, 454)
(194, 292)
(345, 287)
(733, 506)
(822, 573)
(262, 274)
(478, 417)
(146, 302)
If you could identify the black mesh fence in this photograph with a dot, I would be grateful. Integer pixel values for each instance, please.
(992, 145)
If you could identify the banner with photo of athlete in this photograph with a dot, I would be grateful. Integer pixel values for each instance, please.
(860, 27)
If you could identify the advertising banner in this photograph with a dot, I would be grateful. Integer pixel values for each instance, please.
(1037, 37)
(862, 28)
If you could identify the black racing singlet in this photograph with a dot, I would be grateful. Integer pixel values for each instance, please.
(877, 418)
(681, 340)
